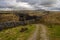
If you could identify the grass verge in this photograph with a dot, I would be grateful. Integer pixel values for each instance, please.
(54, 32)
(15, 34)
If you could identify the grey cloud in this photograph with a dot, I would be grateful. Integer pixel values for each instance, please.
(30, 4)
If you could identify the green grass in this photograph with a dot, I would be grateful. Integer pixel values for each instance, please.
(15, 34)
(54, 32)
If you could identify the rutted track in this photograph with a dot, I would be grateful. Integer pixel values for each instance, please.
(42, 33)
(34, 35)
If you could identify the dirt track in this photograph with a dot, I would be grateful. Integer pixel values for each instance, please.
(43, 33)
(34, 35)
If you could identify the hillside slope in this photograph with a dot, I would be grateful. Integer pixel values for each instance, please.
(8, 17)
(52, 17)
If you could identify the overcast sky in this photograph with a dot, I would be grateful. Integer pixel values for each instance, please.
(30, 4)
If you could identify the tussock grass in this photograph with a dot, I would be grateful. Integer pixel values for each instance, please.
(54, 32)
(15, 34)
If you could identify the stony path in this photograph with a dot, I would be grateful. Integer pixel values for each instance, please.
(43, 33)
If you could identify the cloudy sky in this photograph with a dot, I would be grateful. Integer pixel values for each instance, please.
(30, 4)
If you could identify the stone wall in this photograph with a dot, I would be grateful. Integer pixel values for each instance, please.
(5, 25)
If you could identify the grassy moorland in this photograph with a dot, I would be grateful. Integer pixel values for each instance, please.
(15, 34)
(54, 32)
(4, 17)
(52, 21)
